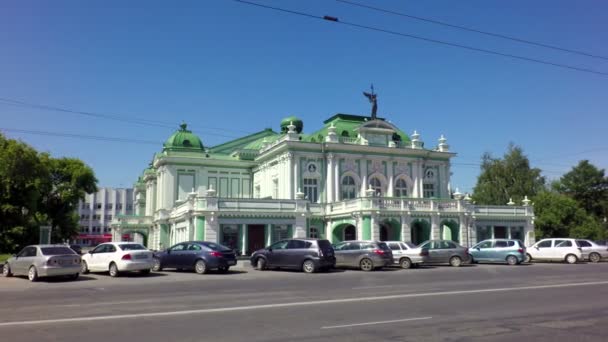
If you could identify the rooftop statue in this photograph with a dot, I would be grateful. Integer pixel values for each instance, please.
(372, 99)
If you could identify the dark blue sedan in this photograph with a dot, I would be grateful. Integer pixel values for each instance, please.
(200, 256)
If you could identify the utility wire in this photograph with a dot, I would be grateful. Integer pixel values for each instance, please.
(121, 118)
(430, 40)
(497, 35)
(80, 136)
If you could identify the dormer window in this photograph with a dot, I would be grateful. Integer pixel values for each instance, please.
(187, 143)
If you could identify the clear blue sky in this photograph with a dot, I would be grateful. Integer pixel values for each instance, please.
(227, 69)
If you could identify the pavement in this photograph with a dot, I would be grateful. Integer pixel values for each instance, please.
(540, 302)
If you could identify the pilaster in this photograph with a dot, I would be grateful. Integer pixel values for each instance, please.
(435, 234)
(406, 228)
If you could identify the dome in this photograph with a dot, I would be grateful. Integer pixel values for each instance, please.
(183, 140)
(289, 120)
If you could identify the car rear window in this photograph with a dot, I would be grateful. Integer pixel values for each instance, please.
(216, 247)
(500, 244)
(56, 250)
(131, 247)
(324, 244)
(383, 246)
(409, 244)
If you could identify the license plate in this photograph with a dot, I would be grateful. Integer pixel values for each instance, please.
(141, 256)
(231, 262)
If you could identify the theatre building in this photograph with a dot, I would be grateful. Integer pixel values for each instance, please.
(356, 177)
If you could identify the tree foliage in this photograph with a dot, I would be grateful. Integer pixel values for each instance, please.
(35, 190)
(587, 185)
(508, 178)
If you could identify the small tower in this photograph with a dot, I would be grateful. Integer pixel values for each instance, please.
(443, 146)
(331, 134)
(416, 142)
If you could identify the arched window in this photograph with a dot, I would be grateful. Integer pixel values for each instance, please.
(376, 185)
(349, 188)
(400, 188)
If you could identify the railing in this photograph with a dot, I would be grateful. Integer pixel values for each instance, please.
(502, 210)
(349, 140)
(256, 205)
(132, 220)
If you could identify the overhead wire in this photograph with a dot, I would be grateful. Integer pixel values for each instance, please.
(430, 40)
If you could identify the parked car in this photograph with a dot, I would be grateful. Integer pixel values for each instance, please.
(200, 256)
(406, 254)
(116, 257)
(309, 255)
(511, 251)
(366, 255)
(555, 250)
(592, 251)
(445, 251)
(38, 261)
(76, 248)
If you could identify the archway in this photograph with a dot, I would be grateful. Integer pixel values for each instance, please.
(344, 232)
(139, 236)
(421, 231)
(350, 233)
(390, 230)
(449, 230)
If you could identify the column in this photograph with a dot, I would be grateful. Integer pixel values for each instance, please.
(290, 179)
(296, 176)
(328, 233)
(391, 182)
(212, 229)
(435, 226)
(406, 228)
(336, 179)
(366, 228)
(363, 177)
(329, 185)
(463, 231)
(300, 226)
(245, 239)
(375, 228)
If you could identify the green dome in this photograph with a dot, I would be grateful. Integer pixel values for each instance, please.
(291, 120)
(183, 140)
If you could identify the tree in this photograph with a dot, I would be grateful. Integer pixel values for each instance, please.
(586, 184)
(508, 178)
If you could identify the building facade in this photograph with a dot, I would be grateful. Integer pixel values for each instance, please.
(354, 178)
(98, 210)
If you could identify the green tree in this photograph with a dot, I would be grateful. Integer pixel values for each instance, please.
(588, 185)
(508, 178)
(557, 215)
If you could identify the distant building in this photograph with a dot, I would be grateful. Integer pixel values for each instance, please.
(356, 177)
(98, 210)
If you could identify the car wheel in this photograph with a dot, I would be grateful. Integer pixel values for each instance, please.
(113, 270)
(223, 269)
(512, 260)
(528, 258)
(455, 261)
(84, 268)
(366, 265)
(200, 267)
(144, 272)
(6, 270)
(595, 257)
(157, 266)
(308, 266)
(405, 263)
(261, 264)
(32, 274)
(571, 259)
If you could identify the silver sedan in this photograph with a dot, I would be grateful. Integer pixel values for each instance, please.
(43, 261)
(592, 251)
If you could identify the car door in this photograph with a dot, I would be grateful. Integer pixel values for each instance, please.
(108, 256)
(433, 249)
(353, 253)
(542, 250)
(397, 249)
(188, 257)
(340, 253)
(174, 255)
(586, 248)
(560, 249)
(277, 254)
(95, 259)
(24, 260)
(480, 251)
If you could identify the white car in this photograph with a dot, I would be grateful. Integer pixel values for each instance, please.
(592, 251)
(116, 257)
(555, 250)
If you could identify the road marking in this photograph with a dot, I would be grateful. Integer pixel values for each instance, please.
(375, 323)
(293, 304)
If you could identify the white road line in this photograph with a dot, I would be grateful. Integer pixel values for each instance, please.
(375, 323)
(293, 304)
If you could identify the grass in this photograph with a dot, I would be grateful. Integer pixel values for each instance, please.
(3, 257)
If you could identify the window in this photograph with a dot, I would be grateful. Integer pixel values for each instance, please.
(119, 206)
(394, 246)
(544, 244)
(98, 206)
(485, 244)
(311, 189)
(349, 190)
(376, 185)
(583, 243)
(428, 190)
(194, 247)
(400, 188)
(298, 244)
(100, 249)
(275, 188)
(280, 232)
(280, 245)
(484, 233)
(500, 244)
(56, 251)
(109, 206)
(27, 252)
(566, 243)
(313, 233)
(178, 248)
(129, 206)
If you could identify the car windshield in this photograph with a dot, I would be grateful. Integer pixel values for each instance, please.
(56, 250)
(132, 247)
(216, 247)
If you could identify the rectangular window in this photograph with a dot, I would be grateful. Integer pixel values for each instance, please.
(234, 187)
(224, 190)
(311, 189)
(484, 233)
(119, 206)
(98, 206)
(517, 233)
(109, 206)
(429, 190)
(275, 188)
(246, 192)
(185, 185)
(129, 206)
(279, 232)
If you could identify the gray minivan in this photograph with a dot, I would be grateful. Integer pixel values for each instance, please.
(366, 255)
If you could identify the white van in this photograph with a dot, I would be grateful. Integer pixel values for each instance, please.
(555, 250)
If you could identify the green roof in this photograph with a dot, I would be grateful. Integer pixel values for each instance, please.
(292, 120)
(242, 143)
(346, 125)
(183, 140)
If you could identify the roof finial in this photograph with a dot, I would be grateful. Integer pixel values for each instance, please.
(183, 126)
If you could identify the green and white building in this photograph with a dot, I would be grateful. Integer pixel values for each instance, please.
(354, 178)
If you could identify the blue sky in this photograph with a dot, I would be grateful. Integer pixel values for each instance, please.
(228, 69)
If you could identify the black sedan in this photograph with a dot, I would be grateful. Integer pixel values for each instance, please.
(200, 256)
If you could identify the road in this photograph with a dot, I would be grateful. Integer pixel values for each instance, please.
(539, 302)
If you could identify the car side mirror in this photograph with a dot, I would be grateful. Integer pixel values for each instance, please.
(269, 249)
(168, 251)
(91, 252)
(478, 248)
(536, 247)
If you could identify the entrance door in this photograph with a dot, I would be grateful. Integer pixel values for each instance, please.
(255, 238)
(350, 233)
(383, 233)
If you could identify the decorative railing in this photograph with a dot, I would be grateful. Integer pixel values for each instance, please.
(491, 210)
(349, 140)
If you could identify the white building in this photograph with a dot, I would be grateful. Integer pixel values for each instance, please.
(97, 211)
(354, 178)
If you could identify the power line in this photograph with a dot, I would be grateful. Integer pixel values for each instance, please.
(497, 35)
(430, 40)
(122, 118)
(80, 136)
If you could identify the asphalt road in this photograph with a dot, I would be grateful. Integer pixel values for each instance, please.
(539, 302)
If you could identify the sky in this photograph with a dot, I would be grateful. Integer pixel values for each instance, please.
(229, 69)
